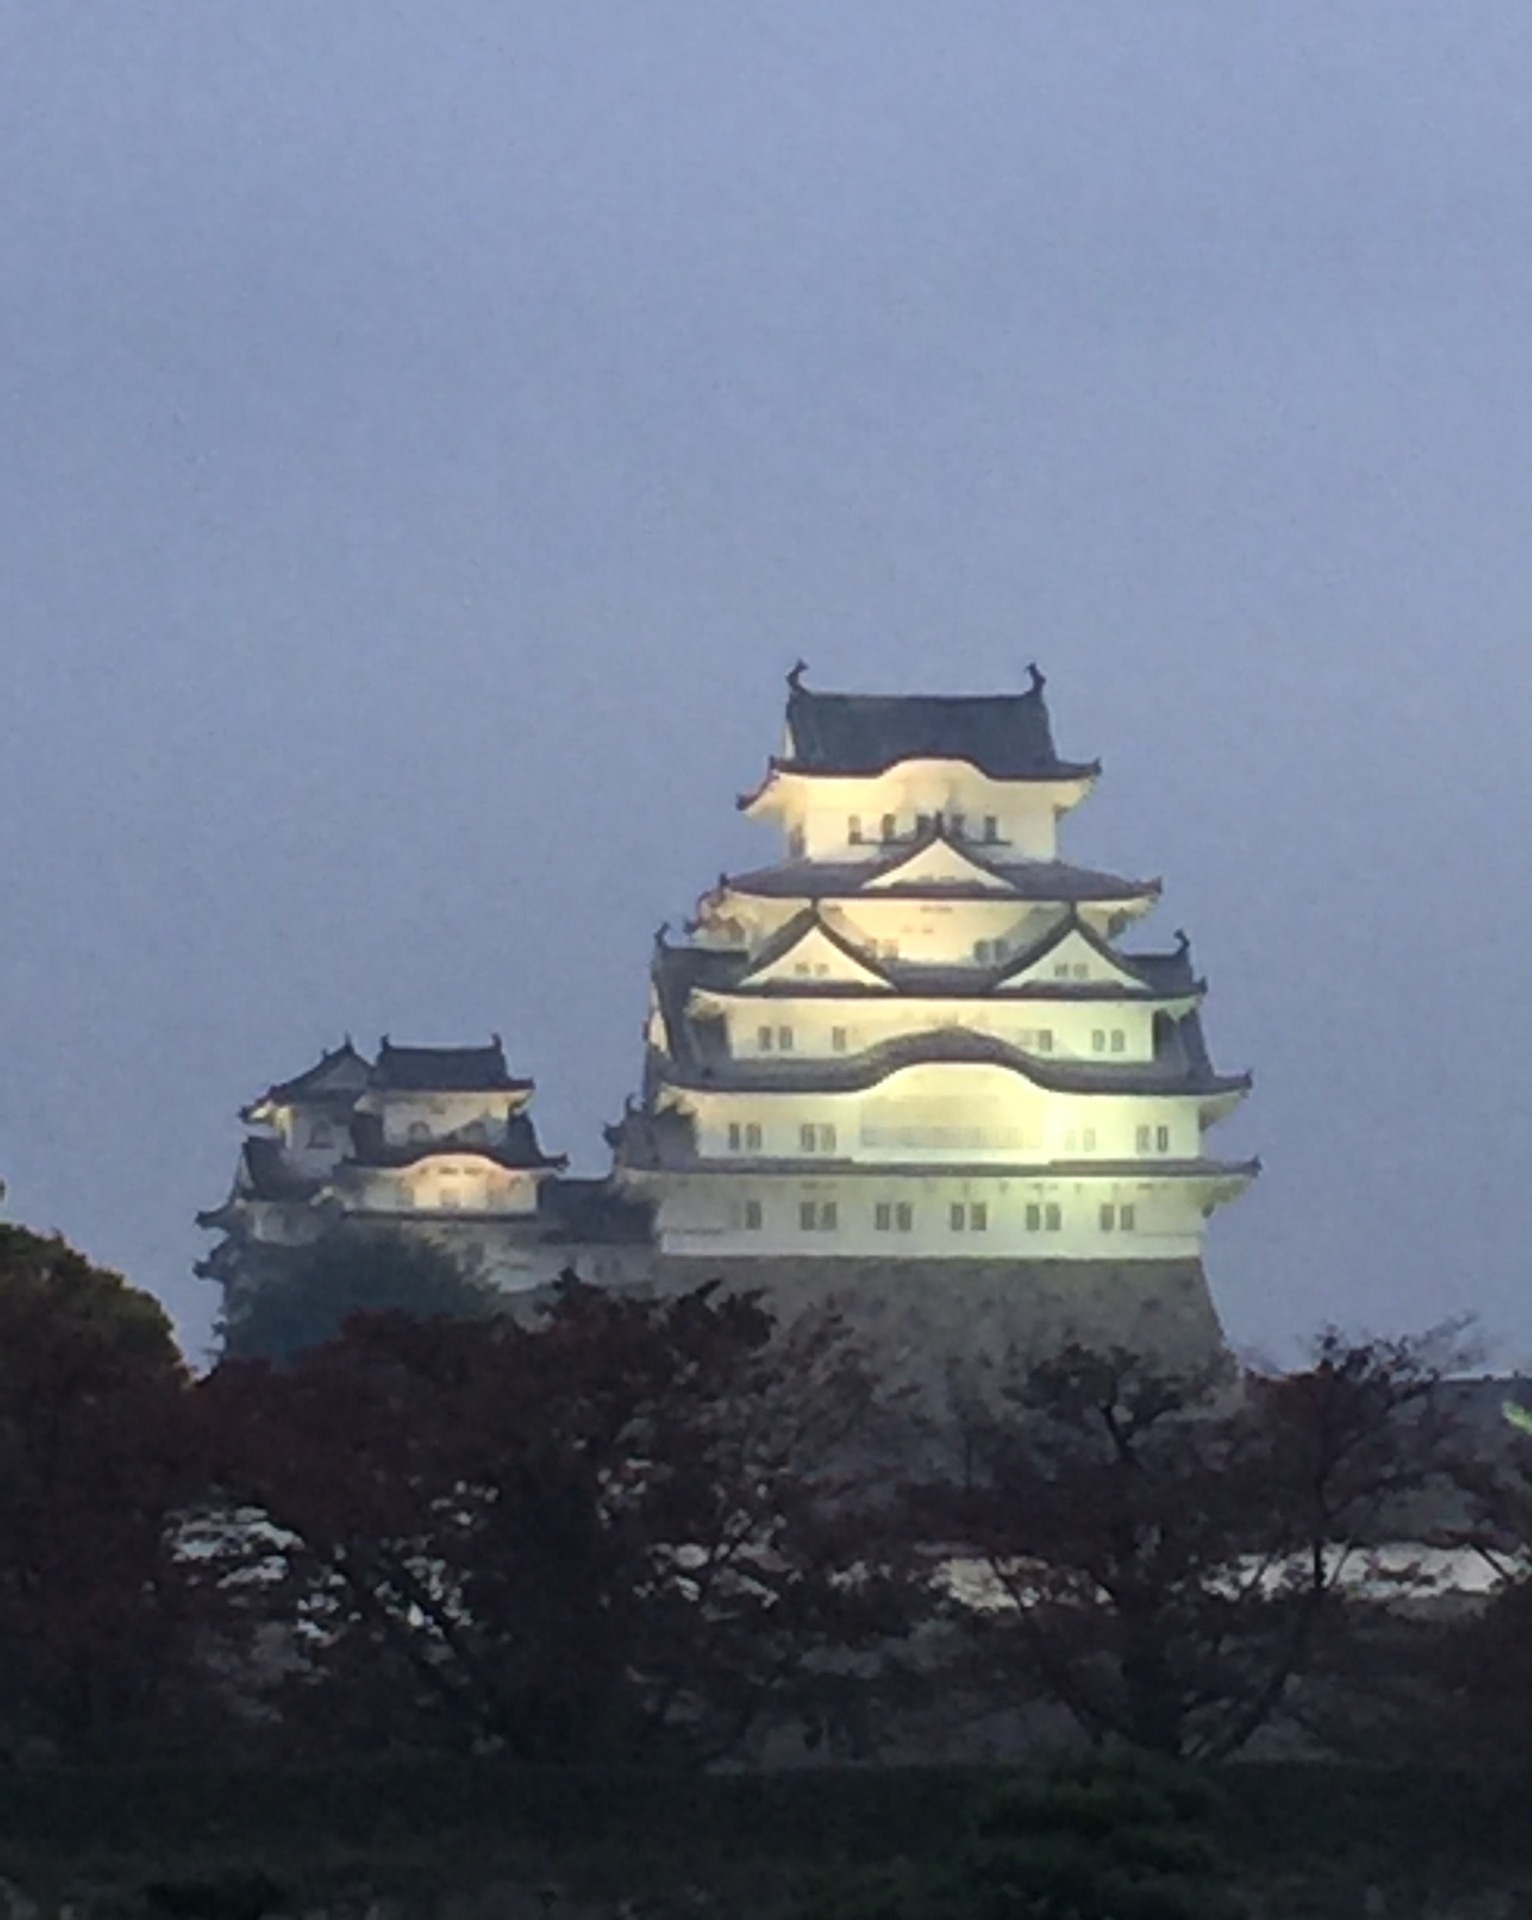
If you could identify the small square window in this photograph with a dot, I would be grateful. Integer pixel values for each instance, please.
(1119, 1040)
(1144, 1139)
(959, 825)
(1088, 1140)
(978, 1216)
(1053, 1218)
(1080, 970)
(806, 1138)
(890, 827)
(991, 828)
(1061, 971)
(763, 1039)
(1002, 949)
(829, 1216)
(982, 951)
(1098, 1040)
(753, 1216)
(837, 1039)
(922, 823)
(854, 830)
(904, 1216)
(1127, 1217)
(1034, 1217)
(1108, 1218)
(752, 1137)
(882, 1216)
(1162, 1139)
(957, 1216)
(1045, 1040)
(784, 1039)
(736, 1138)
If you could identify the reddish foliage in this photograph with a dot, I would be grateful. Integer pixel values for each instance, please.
(637, 1522)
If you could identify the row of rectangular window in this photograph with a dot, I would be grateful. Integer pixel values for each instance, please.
(955, 823)
(992, 952)
(1033, 1039)
(819, 1137)
(963, 1216)
(784, 1040)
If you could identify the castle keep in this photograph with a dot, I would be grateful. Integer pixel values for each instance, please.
(915, 1034)
(916, 1063)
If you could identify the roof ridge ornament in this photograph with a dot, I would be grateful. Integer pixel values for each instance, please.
(795, 677)
(1038, 678)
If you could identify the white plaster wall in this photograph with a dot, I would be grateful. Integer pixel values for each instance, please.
(441, 1114)
(958, 1111)
(297, 1127)
(461, 1184)
(704, 1213)
(821, 809)
(868, 1021)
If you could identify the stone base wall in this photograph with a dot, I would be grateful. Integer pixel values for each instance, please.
(933, 1324)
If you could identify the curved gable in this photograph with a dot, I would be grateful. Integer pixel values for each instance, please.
(814, 953)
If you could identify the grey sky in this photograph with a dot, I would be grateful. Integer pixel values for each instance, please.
(431, 431)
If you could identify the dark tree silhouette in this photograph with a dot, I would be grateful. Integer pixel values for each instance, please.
(95, 1464)
(637, 1526)
(1161, 1552)
(315, 1290)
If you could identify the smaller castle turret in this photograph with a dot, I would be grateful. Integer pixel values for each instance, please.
(437, 1141)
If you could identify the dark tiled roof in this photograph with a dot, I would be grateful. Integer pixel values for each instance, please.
(264, 1173)
(1006, 735)
(342, 1072)
(1161, 973)
(443, 1069)
(676, 971)
(1032, 880)
(792, 931)
(644, 1137)
(1158, 976)
(1180, 1066)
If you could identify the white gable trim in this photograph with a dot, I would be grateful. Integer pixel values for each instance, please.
(939, 863)
(815, 950)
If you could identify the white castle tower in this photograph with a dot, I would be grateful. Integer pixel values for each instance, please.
(915, 1038)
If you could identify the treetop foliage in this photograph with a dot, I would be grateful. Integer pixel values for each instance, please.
(315, 1290)
(623, 1527)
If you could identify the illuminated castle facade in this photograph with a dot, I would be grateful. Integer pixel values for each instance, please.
(434, 1141)
(916, 1035)
(911, 1066)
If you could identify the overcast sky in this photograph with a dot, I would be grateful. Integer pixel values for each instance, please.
(430, 431)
